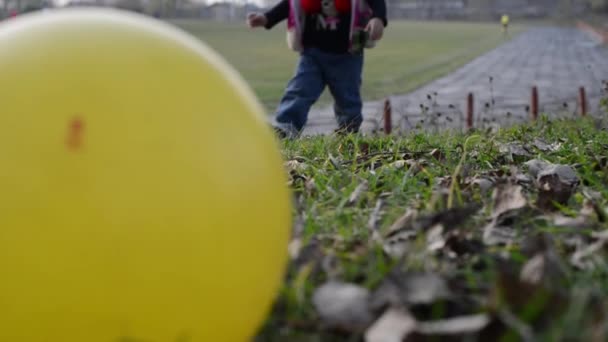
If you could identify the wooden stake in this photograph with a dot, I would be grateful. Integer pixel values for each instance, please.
(388, 123)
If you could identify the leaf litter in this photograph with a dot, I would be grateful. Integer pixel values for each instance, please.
(507, 260)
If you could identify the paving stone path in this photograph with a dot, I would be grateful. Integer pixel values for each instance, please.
(556, 60)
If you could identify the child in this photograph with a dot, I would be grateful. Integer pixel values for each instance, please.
(330, 36)
(504, 20)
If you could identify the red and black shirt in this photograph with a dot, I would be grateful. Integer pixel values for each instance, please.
(327, 22)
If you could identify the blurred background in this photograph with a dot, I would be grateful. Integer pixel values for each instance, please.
(398, 9)
(425, 41)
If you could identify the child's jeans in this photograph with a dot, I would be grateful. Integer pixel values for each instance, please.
(316, 69)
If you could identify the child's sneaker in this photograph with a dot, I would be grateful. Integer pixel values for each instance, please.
(280, 133)
(346, 130)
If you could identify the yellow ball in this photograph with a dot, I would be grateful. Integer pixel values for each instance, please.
(143, 196)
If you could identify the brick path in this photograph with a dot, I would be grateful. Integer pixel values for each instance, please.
(556, 60)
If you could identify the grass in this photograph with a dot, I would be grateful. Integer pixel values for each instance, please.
(410, 55)
(340, 220)
(351, 193)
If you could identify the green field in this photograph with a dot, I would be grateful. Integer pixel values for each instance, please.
(410, 55)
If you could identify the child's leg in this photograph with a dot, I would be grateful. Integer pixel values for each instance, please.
(343, 76)
(302, 91)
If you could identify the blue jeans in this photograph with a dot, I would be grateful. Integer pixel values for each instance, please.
(341, 73)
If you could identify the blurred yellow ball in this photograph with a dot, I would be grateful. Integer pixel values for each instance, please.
(143, 196)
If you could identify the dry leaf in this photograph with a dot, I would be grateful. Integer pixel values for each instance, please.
(556, 183)
(296, 243)
(533, 270)
(435, 239)
(484, 184)
(535, 166)
(343, 306)
(360, 189)
(507, 197)
(509, 201)
(310, 185)
(498, 235)
(576, 223)
(437, 154)
(393, 326)
(403, 221)
(589, 257)
(295, 165)
(304, 254)
(513, 151)
(455, 326)
(410, 289)
(373, 221)
(398, 164)
(409, 225)
(545, 147)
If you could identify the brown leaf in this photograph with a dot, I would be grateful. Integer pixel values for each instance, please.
(556, 183)
(502, 229)
(449, 218)
(507, 197)
(509, 202)
(409, 225)
(460, 245)
(364, 148)
(517, 296)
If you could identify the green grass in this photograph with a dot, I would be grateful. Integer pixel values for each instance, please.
(325, 171)
(410, 55)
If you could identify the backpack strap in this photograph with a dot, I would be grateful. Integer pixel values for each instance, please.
(360, 14)
(295, 25)
(354, 20)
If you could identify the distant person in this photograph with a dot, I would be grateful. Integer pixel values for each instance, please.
(505, 24)
(330, 36)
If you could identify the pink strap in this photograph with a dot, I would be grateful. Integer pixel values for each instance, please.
(354, 20)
